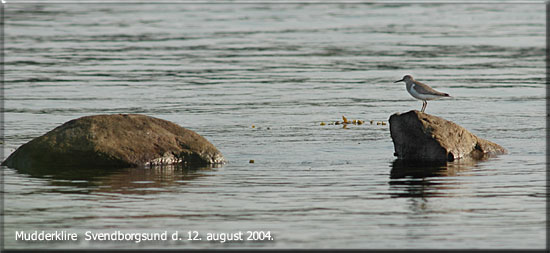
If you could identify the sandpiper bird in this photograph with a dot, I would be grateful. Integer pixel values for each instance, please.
(421, 91)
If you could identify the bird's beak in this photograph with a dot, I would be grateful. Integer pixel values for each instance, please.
(399, 81)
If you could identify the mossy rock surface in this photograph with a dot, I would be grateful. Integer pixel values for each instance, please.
(119, 140)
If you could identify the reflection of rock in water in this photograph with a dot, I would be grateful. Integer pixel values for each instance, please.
(147, 181)
(403, 169)
(125, 181)
(421, 180)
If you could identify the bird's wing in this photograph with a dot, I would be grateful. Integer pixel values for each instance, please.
(425, 89)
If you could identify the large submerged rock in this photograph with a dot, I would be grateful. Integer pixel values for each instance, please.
(119, 140)
(423, 137)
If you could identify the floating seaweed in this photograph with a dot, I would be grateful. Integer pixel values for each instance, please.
(345, 121)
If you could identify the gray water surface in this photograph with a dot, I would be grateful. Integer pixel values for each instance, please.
(219, 69)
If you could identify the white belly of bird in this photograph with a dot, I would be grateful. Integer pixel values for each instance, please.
(421, 96)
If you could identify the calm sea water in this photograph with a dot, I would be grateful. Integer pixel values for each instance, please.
(220, 69)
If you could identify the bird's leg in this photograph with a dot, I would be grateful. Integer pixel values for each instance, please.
(424, 104)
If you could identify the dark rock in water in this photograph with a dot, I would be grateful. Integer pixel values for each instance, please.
(119, 140)
(423, 137)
